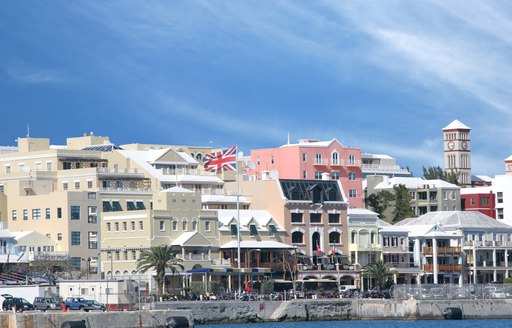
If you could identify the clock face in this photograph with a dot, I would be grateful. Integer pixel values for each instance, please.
(464, 145)
(451, 145)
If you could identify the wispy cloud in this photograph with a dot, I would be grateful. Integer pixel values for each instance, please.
(36, 76)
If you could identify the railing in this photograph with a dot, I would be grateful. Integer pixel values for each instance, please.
(441, 250)
(321, 161)
(443, 268)
(489, 243)
(212, 191)
(402, 265)
(117, 170)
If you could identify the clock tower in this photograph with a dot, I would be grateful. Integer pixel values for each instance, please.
(457, 151)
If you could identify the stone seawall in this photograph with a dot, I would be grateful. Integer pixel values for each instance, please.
(338, 309)
(52, 319)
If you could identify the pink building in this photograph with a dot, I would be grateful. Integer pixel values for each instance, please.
(313, 159)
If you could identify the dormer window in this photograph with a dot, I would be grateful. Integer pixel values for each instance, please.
(234, 230)
(253, 230)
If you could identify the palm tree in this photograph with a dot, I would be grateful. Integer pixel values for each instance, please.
(378, 271)
(159, 258)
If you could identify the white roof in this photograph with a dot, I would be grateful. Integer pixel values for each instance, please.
(223, 199)
(476, 190)
(427, 230)
(184, 237)
(262, 217)
(312, 143)
(458, 220)
(4, 233)
(254, 244)
(455, 125)
(414, 183)
(360, 212)
(178, 189)
(509, 158)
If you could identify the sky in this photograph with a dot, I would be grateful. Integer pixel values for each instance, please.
(383, 76)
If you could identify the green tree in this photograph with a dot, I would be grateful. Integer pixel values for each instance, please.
(196, 288)
(378, 271)
(402, 203)
(159, 258)
(379, 202)
(436, 172)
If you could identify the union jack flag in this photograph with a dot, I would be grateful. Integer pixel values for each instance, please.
(221, 160)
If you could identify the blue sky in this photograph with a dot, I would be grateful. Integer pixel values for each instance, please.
(385, 76)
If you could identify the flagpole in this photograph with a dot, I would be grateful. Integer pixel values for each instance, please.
(238, 225)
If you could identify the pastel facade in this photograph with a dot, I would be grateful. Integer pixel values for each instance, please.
(312, 159)
(381, 164)
(481, 199)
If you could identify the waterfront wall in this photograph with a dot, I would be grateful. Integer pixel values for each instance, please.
(338, 309)
(52, 319)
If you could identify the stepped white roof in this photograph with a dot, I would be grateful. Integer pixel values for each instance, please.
(457, 220)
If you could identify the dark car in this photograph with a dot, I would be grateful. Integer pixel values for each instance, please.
(93, 305)
(18, 303)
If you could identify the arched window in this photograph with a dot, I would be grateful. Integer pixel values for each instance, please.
(194, 225)
(353, 237)
(335, 158)
(297, 237)
(334, 237)
(184, 225)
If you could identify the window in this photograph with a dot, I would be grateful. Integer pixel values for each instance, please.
(334, 237)
(125, 255)
(140, 205)
(76, 262)
(125, 226)
(296, 217)
(194, 225)
(91, 195)
(59, 213)
(315, 217)
(93, 240)
(335, 158)
(184, 225)
(7, 169)
(499, 196)
(132, 223)
(39, 166)
(335, 175)
(484, 201)
(131, 206)
(472, 201)
(175, 225)
(107, 207)
(353, 237)
(253, 230)
(116, 206)
(141, 225)
(233, 229)
(258, 160)
(117, 256)
(134, 255)
(352, 193)
(351, 159)
(297, 237)
(48, 166)
(14, 215)
(162, 225)
(109, 227)
(304, 174)
(304, 157)
(499, 213)
(36, 213)
(77, 184)
(334, 218)
(93, 214)
(59, 236)
(207, 225)
(272, 160)
(318, 158)
(318, 175)
(272, 230)
(116, 226)
(75, 212)
(66, 165)
(48, 214)
(25, 215)
(75, 238)
(352, 176)
(89, 184)
(65, 185)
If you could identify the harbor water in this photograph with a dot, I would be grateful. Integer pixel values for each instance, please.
(373, 324)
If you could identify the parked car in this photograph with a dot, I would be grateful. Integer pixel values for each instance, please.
(93, 305)
(46, 303)
(18, 303)
(76, 303)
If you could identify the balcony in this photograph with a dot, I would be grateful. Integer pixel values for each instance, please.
(488, 244)
(454, 268)
(321, 162)
(442, 250)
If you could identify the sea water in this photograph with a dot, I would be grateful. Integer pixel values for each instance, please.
(483, 323)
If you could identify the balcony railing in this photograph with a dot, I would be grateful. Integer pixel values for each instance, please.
(442, 250)
(321, 161)
(489, 243)
(443, 268)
